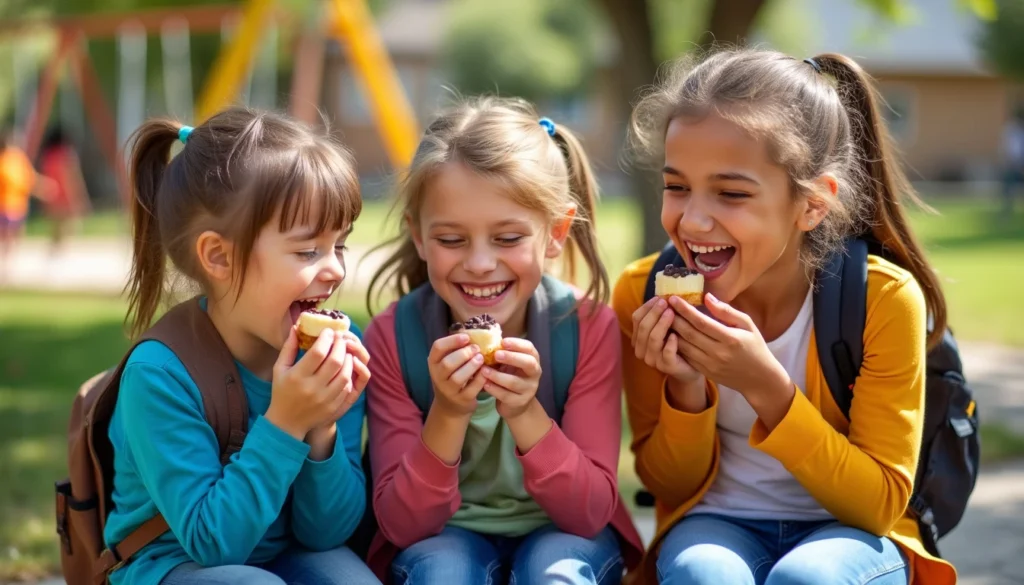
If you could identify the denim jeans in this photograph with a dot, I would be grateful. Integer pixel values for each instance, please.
(339, 566)
(707, 549)
(546, 555)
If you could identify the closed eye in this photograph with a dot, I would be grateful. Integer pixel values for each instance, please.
(306, 254)
(509, 240)
(450, 242)
(735, 195)
(677, 188)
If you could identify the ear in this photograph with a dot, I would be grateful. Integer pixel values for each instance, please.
(825, 189)
(216, 256)
(560, 233)
(416, 234)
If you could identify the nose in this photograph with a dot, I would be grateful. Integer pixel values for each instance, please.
(696, 216)
(481, 259)
(333, 269)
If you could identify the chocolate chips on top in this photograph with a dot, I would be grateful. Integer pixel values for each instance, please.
(332, 313)
(679, 271)
(484, 321)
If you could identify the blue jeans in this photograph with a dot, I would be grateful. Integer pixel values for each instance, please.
(339, 566)
(707, 549)
(546, 555)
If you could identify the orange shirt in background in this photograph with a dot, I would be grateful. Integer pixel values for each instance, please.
(17, 178)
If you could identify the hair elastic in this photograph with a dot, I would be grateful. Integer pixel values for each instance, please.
(548, 125)
(184, 132)
(814, 64)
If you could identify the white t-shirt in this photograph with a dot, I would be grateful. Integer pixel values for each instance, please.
(751, 484)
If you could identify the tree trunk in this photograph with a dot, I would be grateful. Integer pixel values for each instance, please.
(731, 21)
(636, 68)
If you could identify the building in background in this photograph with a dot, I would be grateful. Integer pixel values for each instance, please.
(946, 110)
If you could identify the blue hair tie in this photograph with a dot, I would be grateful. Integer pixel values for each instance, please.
(548, 125)
(184, 132)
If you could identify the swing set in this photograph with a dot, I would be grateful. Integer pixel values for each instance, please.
(347, 21)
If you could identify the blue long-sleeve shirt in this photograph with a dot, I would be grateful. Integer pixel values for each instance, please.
(166, 459)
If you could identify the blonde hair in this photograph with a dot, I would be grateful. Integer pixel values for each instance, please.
(500, 139)
(816, 116)
(235, 173)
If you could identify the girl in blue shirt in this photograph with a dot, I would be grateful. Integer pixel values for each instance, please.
(253, 211)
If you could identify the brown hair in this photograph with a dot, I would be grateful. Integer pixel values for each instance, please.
(504, 140)
(234, 174)
(816, 117)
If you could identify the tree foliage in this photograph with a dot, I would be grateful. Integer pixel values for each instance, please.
(1001, 40)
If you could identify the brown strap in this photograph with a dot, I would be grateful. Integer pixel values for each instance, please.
(188, 331)
(133, 543)
(191, 335)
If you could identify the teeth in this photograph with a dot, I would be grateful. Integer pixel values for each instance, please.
(484, 292)
(706, 249)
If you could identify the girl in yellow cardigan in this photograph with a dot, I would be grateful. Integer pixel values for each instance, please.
(768, 162)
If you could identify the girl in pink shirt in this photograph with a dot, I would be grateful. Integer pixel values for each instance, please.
(492, 476)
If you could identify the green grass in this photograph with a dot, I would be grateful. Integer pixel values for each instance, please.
(999, 443)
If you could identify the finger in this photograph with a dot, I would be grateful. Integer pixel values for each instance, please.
(361, 374)
(725, 313)
(462, 375)
(311, 360)
(500, 394)
(446, 345)
(700, 322)
(696, 357)
(286, 358)
(457, 359)
(474, 386)
(508, 381)
(685, 330)
(333, 364)
(529, 364)
(642, 310)
(519, 345)
(670, 353)
(344, 377)
(644, 327)
(356, 347)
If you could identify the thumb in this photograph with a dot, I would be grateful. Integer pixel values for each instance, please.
(727, 315)
(289, 350)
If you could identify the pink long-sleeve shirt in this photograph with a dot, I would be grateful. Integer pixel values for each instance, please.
(571, 473)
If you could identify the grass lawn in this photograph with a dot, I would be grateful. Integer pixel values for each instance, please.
(49, 343)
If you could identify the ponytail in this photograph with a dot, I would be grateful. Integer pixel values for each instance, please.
(884, 182)
(150, 153)
(583, 234)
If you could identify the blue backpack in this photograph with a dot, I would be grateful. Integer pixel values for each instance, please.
(950, 447)
(421, 318)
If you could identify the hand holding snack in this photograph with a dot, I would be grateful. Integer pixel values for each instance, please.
(515, 380)
(454, 364)
(315, 390)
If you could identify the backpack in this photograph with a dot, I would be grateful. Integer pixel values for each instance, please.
(83, 498)
(422, 317)
(950, 447)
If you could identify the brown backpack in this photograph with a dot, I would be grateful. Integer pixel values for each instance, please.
(83, 498)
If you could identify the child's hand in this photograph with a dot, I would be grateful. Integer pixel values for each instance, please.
(729, 351)
(315, 391)
(514, 383)
(360, 367)
(454, 369)
(656, 346)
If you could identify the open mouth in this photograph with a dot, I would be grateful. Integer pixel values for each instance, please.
(710, 259)
(307, 304)
(484, 294)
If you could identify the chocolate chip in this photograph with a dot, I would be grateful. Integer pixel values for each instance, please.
(332, 313)
(484, 321)
(678, 271)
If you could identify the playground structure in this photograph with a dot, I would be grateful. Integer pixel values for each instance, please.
(347, 21)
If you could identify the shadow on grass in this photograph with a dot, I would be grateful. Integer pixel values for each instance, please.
(42, 367)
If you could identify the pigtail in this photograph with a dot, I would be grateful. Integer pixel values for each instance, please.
(583, 233)
(885, 181)
(150, 153)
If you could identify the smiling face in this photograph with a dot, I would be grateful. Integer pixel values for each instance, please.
(484, 252)
(729, 208)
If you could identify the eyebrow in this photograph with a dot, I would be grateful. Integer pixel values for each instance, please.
(312, 234)
(452, 224)
(729, 176)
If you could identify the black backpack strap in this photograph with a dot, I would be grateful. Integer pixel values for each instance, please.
(840, 310)
(669, 255)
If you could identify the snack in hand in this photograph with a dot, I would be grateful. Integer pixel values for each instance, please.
(484, 331)
(312, 322)
(680, 281)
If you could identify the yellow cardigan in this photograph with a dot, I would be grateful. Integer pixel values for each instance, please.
(862, 472)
